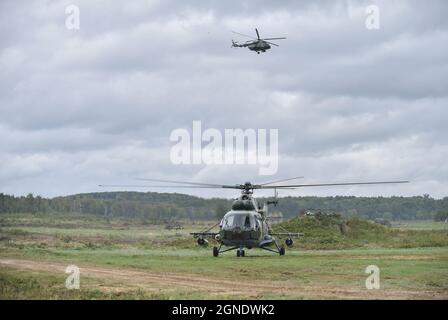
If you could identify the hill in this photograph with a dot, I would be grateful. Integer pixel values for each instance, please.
(337, 232)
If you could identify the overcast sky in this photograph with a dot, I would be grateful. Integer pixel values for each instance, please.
(97, 105)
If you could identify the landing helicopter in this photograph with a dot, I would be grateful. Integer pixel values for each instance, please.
(257, 44)
(246, 225)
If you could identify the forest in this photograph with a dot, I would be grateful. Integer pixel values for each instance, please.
(165, 206)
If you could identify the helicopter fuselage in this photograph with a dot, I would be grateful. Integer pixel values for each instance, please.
(258, 46)
(243, 228)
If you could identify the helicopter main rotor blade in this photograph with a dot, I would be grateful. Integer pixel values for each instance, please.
(272, 43)
(245, 35)
(155, 186)
(332, 184)
(258, 35)
(281, 180)
(181, 182)
(281, 38)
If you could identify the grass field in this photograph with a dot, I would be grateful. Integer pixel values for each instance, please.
(121, 259)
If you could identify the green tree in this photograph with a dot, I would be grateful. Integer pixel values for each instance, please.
(441, 215)
(220, 210)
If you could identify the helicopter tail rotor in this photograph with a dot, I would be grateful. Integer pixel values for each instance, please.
(235, 44)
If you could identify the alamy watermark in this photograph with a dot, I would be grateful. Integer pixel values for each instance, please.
(373, 21)
(72, 21)
(72, 281)
(231, 147)
(373, 280)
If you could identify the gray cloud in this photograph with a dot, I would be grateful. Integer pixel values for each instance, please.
(97, 105)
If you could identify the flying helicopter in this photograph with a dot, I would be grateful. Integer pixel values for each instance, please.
(246, 225)
(256, 44)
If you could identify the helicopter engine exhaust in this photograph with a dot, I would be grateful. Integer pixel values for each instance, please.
(202, 242)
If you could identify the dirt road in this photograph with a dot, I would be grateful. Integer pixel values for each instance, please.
(149, 280)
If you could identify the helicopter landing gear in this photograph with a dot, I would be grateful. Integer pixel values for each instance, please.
(280, 250)
(240, 253)
(217, 250)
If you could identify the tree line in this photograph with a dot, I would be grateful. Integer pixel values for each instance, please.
(165, 206)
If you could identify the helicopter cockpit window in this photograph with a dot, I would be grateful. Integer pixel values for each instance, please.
(228, 221)
(243, 221)
(247, 222)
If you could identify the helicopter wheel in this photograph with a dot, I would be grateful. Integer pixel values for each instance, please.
(215, 251)
(242, 253)
(282, 251)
